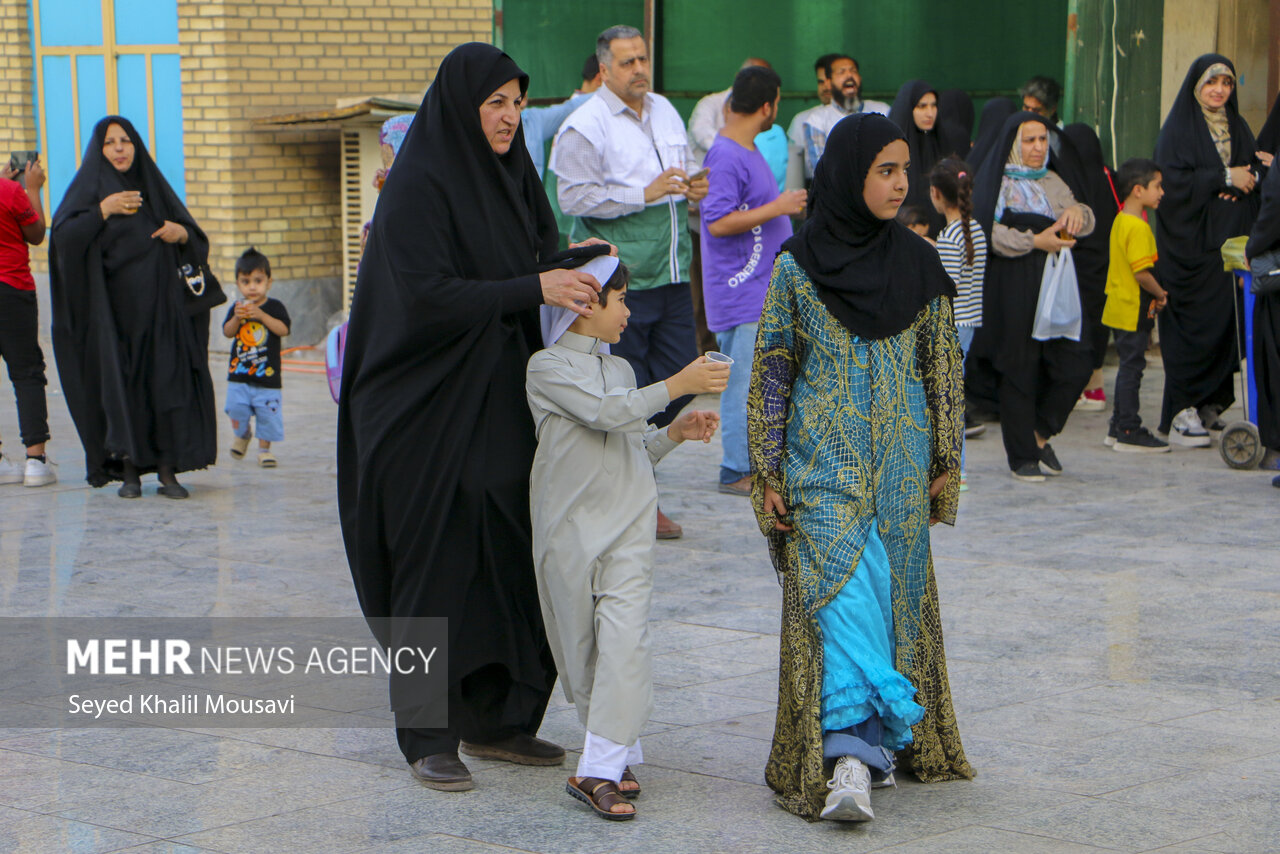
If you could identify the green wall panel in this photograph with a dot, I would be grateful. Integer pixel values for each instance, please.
(1135, 58)
(550, 39)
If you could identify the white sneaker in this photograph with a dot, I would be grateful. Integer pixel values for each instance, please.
(10, 472)
(39, 473)
(850, 798)
(1188, 430)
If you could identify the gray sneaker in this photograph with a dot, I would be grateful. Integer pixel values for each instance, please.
(1188, 430)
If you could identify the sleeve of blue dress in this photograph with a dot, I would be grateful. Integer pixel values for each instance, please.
(772, 372)
(942, 372)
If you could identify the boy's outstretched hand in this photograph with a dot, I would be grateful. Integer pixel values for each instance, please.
(694, 425)
(698, 377)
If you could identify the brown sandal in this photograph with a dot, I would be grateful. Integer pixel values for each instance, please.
(602, 798)
(628, 777)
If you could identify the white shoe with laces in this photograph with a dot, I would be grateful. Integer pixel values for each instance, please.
(1188, 430)
(850, 798)
(39, 472)
(11, 472)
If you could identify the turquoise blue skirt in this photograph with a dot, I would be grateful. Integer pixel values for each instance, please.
(858, 677)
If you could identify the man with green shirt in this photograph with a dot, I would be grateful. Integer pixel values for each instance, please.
(620, 160)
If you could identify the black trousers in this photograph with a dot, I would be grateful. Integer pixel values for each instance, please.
(1131, 347)
(659, 339)
(20, 349)
(1040, 397)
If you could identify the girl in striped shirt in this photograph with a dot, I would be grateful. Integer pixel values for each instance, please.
(963, 248)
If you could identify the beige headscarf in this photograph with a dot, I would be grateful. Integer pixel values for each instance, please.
(1219, 123)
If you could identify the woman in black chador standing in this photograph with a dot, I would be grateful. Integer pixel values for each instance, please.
(435, 438)
(1207, 158)
(132, 343)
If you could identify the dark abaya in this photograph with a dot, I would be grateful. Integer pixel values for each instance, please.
(927, 148)
(435, 439)
(1198, 326)
(955, 115)
(1265, 237)
(990, 122)
(133, 362)
(1093, 253)
(1037, 383)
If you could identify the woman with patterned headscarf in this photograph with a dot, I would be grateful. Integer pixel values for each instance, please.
(1206, 154)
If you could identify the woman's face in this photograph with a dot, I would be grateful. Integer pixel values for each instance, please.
(118, 148)
(886, 184)
(1216, 90)
(926, 112)
(500, 116)
(1034, 139)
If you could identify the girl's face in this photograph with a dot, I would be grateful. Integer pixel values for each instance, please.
(926, 112)
(1216, 90)
(1034, 139)
(118, 148)
(886, 183)
(500, 116)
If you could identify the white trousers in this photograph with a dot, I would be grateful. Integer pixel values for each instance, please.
(607, 759)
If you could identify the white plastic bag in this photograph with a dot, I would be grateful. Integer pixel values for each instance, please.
(1058, 313)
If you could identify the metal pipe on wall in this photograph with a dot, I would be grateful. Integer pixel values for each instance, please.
(1067, 109)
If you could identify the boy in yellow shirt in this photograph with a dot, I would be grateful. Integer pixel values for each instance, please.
(1133, 298)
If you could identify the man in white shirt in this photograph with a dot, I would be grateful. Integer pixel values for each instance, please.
(797, 175)
(846, 100)
(621, 161)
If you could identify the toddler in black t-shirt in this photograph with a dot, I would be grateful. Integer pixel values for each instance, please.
(255, 324)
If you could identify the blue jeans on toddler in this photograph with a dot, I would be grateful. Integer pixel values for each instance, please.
(245, 401)
(738, 343)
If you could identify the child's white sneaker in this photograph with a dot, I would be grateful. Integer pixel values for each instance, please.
(850, 798)
(239, 446)
(11, 472)
(39, 472)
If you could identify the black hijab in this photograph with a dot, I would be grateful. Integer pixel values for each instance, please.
(955, 113)
(990, 123)
(1269, 136)
(1190, 221)
(1063, 160)
(96, 266)
(874, 275)
(433, 429)
(927, 147)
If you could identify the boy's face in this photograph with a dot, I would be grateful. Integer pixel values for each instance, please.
(606, 321)
(254, 286)
(1150, 195)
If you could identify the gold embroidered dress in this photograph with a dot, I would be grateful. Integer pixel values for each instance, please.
(851, 432)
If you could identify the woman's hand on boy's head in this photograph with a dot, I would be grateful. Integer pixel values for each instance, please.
(699, 424)
(571, 289)
(595, 241)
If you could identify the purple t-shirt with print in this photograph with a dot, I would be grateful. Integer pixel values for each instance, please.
(736, 269)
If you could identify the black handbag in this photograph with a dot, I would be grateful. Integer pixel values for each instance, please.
(201, 290)
(1265, 273)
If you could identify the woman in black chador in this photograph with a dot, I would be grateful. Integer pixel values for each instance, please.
(132, 345)
(1207, 158)
(435, 438)
(915, 111)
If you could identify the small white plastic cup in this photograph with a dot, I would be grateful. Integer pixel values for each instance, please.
(717, 356)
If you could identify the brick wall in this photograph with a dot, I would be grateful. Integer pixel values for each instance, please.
(243, 60)
(17, 131)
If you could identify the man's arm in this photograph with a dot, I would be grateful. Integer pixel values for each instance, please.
(33, 232)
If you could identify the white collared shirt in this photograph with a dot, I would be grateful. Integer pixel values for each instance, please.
(818, 125)
(605, 154)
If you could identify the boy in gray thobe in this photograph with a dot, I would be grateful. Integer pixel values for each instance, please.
(594, 502)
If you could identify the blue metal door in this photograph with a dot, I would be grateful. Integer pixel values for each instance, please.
(100, 57)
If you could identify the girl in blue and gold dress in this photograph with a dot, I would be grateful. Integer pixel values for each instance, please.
(856, 423)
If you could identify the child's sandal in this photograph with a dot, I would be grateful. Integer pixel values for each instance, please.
(602, 797)
(239, 446)
(267, 460)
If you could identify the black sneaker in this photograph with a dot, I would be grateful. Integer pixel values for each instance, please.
(1140, 441)
(1110, 441)
(1052, 467)
(1029, 472)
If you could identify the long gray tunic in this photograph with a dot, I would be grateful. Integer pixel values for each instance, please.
(595, 506)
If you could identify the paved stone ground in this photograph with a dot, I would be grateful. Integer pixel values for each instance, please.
(1113, 647)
